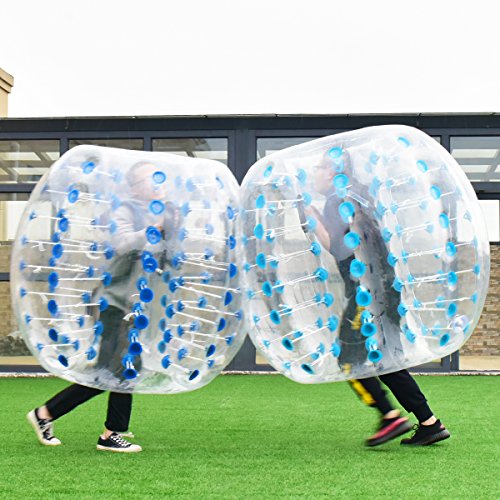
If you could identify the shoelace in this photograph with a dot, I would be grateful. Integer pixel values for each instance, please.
(415, 429)
(46, 428)
(116, 438)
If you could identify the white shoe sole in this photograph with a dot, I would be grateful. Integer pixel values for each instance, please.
(34, 423)
(132, 449)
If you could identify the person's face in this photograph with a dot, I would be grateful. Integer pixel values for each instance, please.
(144, 187)
(323, 177)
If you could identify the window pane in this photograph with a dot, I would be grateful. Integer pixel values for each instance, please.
(11, 210)
(268, 145)
(208, 148)
(110, 143)
(26, 161)
(478, 156)
(491, 211)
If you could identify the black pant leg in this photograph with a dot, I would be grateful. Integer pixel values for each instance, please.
(119, 405)
(371, 392)
(352, 342)
(114, 346)
(408, 393)
(109, 349)
(114, 342)
(68, 399)
(119, 411)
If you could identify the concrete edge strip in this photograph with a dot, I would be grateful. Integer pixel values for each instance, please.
(433, 374)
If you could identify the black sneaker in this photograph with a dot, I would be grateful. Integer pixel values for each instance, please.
(116, 443)
(43, 428)
(427, 434)
(390, 428)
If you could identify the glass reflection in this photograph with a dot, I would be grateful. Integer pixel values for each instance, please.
(478, 156)
(199, 147)
(25, 161)
(269, 145)
(136, 144)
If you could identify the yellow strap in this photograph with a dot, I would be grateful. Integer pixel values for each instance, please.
(356, 322)
(365, 396)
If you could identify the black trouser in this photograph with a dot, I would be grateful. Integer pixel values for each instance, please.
(113, 346)
(404, 388)
(114, 342)
(119, 405)
(352, 342)
(370, 390)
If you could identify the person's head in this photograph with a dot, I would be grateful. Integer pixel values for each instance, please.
(142, 184)
(324, 172)
(332, 163)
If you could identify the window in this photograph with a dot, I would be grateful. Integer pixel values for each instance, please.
(25, 161)
(491, 212)
(478, 156)
(21, 162)
(11, 210)
(137, 144)
(208, 148)
(269, 145)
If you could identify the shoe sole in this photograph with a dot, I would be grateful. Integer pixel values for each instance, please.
(401, 429)
(31, 417)
(117, 450)
(435, 438)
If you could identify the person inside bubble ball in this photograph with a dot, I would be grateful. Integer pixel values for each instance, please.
(133, 218)
(331, 228)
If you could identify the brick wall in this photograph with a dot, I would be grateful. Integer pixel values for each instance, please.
(5, 249)
(485, 341)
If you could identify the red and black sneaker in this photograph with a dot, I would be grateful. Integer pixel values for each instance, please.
(427, 434)
(390, 428)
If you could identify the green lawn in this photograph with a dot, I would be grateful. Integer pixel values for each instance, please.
(254, 437)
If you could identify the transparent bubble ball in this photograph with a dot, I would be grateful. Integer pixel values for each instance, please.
(364, 253)
(125, 272)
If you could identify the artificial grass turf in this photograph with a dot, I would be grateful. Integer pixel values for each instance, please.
(253, 437)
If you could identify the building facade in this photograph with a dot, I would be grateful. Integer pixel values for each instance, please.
(29, 146)
(6, 84)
